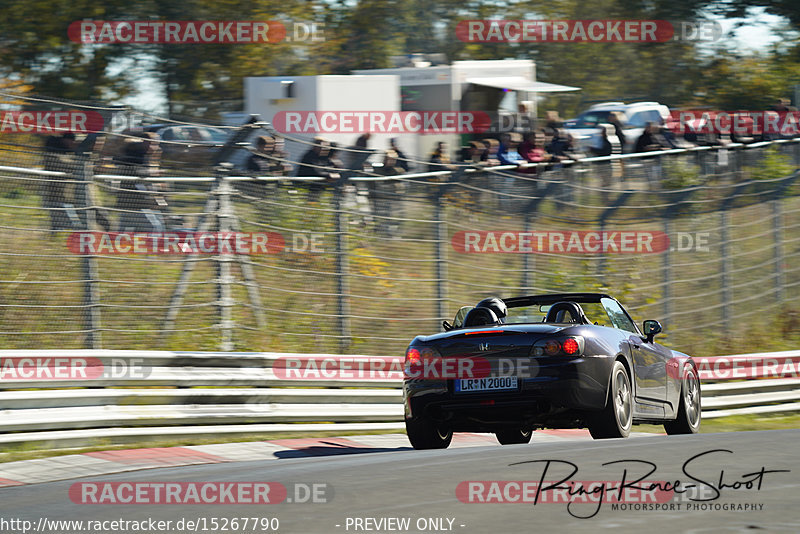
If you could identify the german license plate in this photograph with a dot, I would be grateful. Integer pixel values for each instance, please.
(489, 383)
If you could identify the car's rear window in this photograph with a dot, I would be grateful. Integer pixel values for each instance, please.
(591, 119)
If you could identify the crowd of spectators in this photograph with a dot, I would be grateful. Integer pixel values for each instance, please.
(324, 163)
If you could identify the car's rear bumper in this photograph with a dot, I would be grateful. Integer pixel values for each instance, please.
(563, 390)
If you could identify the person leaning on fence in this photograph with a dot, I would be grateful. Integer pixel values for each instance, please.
(533, 151)
(651, 139)
(259, 162)
(280, 158)
(473, 154)
(507, 152)
(59, 156)
(553, 121)
(439, 160)
(562, 147)
(141, 203)
(315, 164)
(387, 196)
(360, 153)
(609, 146)
(489, 157)
(402, 160)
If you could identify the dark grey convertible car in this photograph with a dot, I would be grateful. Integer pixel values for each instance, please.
(567, 360)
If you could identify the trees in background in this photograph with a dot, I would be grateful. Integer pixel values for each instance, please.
(203, 79)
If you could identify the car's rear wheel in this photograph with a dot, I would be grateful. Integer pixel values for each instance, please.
(689, 411)
(511, 436)
(616, 419)
(425, 434)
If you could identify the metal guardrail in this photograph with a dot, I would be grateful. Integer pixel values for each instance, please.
(130, 395)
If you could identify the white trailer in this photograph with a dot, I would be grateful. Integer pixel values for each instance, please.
(267, 96)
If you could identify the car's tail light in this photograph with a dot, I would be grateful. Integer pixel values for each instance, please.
(552, 347)
(413, 357)
(570, 346)
(565, 346)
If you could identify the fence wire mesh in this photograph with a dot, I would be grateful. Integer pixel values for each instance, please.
(705, 240)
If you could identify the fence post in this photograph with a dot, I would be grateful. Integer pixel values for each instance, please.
(667, 263)
(91, 290)
(342, 268)
(223, 266)
(725, 267)
(441, 253)
(777, 233)
(528, 260)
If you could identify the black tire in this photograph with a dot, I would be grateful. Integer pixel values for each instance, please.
(511, 436)
(616, 419)
(425, 434)
(689, 409)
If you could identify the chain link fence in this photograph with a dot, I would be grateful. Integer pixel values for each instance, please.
(104, 245)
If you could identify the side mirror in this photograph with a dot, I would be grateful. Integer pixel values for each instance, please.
(447, 326)
(651, 328)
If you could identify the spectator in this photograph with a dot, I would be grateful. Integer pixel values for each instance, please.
(507, 152)
(360, 153)
(281, 165)
(475, 152)
(489, 157)
(334, 159)
(59, 156)
(260, 163)
(402, 161)
(390, 165)
(782, 105)
(139, 200)
(651, 139)
(314, 164)
(609, 144)
(615, 120)
(553, 121)
(562, 147)
(532, 149)
(386, 196)
(440, 158)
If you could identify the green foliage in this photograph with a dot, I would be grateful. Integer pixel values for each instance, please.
(773, 165)
(679, 174)
(201, 80)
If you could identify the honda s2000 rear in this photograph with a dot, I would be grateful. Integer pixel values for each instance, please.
(568, 360)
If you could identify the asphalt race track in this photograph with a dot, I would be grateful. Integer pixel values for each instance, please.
(732, 473)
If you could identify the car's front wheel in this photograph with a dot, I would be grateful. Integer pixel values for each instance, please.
(617, 417)
(688, 420)
(425, 434)
(511, 436)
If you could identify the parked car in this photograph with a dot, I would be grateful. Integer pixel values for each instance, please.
(177, 142)
(565, 360)
(586, 127)
(189, 143)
